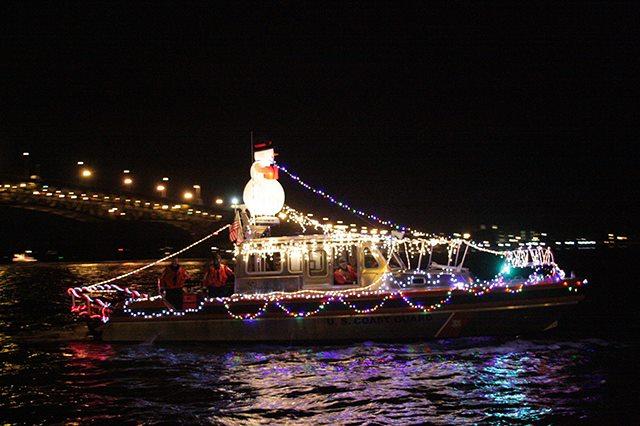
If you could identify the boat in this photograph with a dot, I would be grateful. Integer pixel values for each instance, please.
(24, 257)
(289, 288)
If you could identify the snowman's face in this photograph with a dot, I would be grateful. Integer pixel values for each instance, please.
(265, 158)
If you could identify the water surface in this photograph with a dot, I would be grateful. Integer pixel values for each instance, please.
(50, 373)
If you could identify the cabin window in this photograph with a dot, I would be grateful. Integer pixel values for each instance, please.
(369, 260)
(295, 261)
(259, 263)
(394, 262)
(317, 263)
(345, 266)
(350, 254)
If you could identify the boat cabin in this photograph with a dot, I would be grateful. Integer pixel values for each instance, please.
(309, 262)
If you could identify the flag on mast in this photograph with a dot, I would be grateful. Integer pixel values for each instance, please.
(236, 234)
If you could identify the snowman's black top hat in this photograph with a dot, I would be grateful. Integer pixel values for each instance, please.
(262, 146)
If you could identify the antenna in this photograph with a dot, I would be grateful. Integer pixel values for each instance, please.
(252, 147)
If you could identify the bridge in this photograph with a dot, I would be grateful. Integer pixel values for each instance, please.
(87, 205)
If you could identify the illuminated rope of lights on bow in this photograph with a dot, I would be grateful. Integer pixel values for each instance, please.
(76, 291)
(135, 271)
(341, 204)
(89, 303)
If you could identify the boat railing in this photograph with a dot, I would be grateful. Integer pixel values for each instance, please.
(429, 279)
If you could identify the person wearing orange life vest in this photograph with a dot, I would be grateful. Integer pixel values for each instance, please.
(216, 277)
(172, 281)
(344, 274)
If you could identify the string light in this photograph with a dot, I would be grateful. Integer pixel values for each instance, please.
(338, 239)
(342, 204)
(303, 314)
(355, 309)
(347, 297)
(135, 271)
(246, 316)
(376, 218)
(341, 242)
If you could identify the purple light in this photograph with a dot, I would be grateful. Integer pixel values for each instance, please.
(339, 203)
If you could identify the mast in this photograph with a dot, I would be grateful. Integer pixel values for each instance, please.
(251, 162)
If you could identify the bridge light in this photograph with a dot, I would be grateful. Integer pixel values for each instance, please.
(126, 172)
(127, 181)
(80, 163)
(196, 186)
(187, 195)
(86, 173)
(160, 188)
(25, 154)
(219, 201)
(165, 179)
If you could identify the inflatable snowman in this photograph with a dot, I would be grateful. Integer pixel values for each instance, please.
(263, 195)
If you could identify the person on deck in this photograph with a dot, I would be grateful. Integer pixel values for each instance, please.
(172, 281)
(216, 277)
(344, 274)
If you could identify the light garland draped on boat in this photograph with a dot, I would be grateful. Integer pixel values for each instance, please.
(336, 238)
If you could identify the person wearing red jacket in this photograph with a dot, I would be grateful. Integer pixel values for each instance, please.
(172, 281)
(216, 277)
(344, 274)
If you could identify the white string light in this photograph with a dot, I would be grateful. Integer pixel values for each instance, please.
(135, 271)
(341, 204)
(338, 239)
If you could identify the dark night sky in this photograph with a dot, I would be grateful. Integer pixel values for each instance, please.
(439, 118)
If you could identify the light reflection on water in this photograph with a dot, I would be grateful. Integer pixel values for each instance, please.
(446, 382)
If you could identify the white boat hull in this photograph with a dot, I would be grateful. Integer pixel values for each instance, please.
(512, 319)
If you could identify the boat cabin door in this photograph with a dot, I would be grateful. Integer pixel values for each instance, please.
(366, 261)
